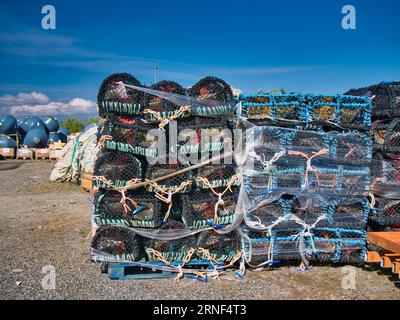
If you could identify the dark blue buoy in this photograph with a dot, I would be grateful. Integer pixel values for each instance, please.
(7, 142)
(63, 134)
(35, 123)
(8, 125)
(54, 137)
(51, 124)
(36, 138)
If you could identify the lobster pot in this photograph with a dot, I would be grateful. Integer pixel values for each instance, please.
(115, 244)
(165, 108)
(116, 169)
(201, 135)
(385, 177)
(181, 182)
(387, 136)
(170, 250)
(220, 248)
(212, 88)
(324, 245)
(257, 246)
(386, 101)
(352, 146)
(114, 98)
(339, 212)
(334, 212)
(142, 210)
(269, 109)
(266, 213)
(199, 209)
(131, 136)
(216, 176)
(386, 212)
(346, 111)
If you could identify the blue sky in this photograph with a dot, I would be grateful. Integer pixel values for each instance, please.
(253, 45)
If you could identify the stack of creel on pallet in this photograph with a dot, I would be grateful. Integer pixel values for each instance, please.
(386, 133)
(306, 179)
(172, 221)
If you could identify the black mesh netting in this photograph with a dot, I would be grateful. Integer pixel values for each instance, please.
(334, 212)
(202, 209)
(116, 170)
(131, 136)
(292, 177)
(161, 105)
(116, 98)
(180, 183)
(337, 110)
(324, 245)
(387, 136)
(170, 250)
(387, 98)
(212, 88)
(218, 175)
(342, 146)
(218, 247)
(203, 135)
(117, 243)
(386, 212)
(136, 209)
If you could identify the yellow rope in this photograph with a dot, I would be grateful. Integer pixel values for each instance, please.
(218, 194)
(164, 121)
(309, 168)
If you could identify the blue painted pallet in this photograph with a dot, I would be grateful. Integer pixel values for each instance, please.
(151, 270)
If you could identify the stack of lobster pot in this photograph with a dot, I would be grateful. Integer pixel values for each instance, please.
(148, 206)
(306, 177)
(386, 133)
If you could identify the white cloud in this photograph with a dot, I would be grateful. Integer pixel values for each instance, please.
(37, 103)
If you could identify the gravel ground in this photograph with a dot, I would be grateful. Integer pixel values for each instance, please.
(44, 223)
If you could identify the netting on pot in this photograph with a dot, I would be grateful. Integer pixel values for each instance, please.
(115, 170)
(319, 244)
(131, 136)
(162, 110)
(215, 176)
(115, 244)
(212, 88)
(166, 189)
(339, 212)
(391, 140)
(203, 135)
(344, 111)
(386, 101)
(266, 213)
(385, 179)
(181, 249)
(352, 246)
(386, 212)
(205, 209)
(219, 248)
(129, 209)
(114, 97)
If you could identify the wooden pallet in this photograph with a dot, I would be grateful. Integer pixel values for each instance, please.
(390, 241)
(42, 154)
(7, 153)
(54, 154)
(150, 270)
(25, 154)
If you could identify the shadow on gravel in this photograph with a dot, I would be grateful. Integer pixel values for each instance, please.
(9, 166)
